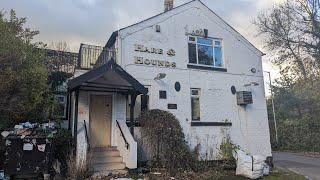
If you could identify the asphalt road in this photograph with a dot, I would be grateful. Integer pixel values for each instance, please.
(307, 166)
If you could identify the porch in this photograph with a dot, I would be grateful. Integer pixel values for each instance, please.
(97, 101)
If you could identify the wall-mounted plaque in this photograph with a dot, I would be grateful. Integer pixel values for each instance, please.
(172, 106)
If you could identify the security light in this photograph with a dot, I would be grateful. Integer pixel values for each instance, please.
(252, 84)
(160, 76)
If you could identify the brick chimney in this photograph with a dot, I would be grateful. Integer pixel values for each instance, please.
(168, 5)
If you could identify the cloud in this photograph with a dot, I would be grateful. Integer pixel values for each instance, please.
(92, 21)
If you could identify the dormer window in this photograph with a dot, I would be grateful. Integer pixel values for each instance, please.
(205, 51)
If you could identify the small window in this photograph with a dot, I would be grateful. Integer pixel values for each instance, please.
(195, 104)
(163, 94)
(142, 104)
(158, 28)
(205, 51)
(62, 105)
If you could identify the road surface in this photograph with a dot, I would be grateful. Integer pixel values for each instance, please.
(307, 166)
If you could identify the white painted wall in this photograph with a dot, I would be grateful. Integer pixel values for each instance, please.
(249, 125)
(118, 113)
(83, 115)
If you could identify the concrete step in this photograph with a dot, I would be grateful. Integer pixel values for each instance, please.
(108, 167)
(104, 174)
(101, 154)
(106, 159)
(102, 149)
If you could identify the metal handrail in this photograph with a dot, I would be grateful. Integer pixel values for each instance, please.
(87, 137)
(122, 134)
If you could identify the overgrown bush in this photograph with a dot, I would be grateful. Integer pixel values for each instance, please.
(64, 146)
(166, 141)
(75, 172)
(227, 148)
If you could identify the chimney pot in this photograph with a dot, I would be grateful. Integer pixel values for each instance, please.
(168, 5)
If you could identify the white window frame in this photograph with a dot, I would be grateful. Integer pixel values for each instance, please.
(213, 49)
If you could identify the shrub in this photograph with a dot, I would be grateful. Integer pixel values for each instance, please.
(64, 146)
(75, 172)
(166, 141)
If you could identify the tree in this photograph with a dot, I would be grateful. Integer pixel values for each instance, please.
(24, 91)
(292, 34)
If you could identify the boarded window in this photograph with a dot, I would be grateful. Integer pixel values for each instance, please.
(195, 104)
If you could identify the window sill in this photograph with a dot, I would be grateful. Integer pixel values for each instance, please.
(196, 66)
(211, 124)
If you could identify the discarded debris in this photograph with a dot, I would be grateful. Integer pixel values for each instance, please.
(5, 133)
(31, 129)
(250, 166)
(35, 140)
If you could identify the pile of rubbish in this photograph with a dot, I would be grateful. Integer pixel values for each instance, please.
(28, 129)
(252, 167)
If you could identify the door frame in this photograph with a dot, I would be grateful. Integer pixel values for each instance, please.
(113, 119)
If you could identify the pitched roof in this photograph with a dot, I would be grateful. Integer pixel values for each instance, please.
(100, 71)
(115, 34)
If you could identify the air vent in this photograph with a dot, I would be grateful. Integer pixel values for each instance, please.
(244, 98)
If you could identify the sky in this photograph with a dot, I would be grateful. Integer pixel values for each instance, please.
(93, 21)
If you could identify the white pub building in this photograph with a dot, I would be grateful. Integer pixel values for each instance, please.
(186, 60)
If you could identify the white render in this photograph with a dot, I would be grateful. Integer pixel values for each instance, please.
(119, 114)
(250, 128)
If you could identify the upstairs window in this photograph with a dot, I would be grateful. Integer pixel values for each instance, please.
(205, 51)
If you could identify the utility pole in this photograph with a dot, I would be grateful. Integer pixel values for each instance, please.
(273, 109)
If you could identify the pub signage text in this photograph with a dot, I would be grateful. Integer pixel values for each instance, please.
(153, 62)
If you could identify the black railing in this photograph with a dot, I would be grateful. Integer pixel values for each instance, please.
(60, 61)
(86, 131)
(122, 134)
(91, 56)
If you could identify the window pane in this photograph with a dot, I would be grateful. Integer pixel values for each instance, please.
(194, 92)
(192, 53)
(195, 108)
(205, 55)
(137, 107)
(218, 56)
(205, 41)
(217, 43)
(192, 39)
(144, 102)
(62, 111)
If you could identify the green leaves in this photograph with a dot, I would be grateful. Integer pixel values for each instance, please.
(23, 76)
(164, 140)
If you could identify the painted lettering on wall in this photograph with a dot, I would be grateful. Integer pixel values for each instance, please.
(142, 48)
(153, 62)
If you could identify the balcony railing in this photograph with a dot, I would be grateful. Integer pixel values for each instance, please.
(60, 61)
(91, 56)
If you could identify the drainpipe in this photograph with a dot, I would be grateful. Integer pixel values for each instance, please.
(69, 109)
(76, 120)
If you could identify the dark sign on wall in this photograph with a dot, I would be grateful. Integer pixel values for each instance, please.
(172, 106)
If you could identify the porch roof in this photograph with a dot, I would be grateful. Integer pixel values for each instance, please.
(109, 77)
